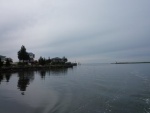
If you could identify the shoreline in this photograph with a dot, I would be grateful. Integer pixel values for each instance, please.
(28, 68)
(130, 62)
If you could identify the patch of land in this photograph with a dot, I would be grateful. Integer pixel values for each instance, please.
(129, 62)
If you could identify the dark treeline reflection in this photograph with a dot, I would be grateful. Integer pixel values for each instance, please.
(54, 72)
(24, 80)
(5, 77)
(26, 77)
(42, 73)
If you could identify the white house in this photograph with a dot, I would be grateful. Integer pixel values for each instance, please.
(2, 58)
(31, 56)
(56, 60)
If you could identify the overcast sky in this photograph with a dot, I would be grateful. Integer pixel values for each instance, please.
(82, 30)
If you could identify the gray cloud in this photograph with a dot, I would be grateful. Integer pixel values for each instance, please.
(85, 30)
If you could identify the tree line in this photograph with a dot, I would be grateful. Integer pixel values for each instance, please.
(8, 62)
(24, 59)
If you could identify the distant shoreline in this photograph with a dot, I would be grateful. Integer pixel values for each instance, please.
(130, 62)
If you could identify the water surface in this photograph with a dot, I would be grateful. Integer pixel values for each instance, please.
(92, 88)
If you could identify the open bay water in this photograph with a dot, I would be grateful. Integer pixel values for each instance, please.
(90, 88)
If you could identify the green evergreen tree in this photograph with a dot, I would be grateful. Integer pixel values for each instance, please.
(42, 61)
(48, 61)
(8, 62)
(22, 54)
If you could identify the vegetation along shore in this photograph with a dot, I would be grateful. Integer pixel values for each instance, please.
(27, 62)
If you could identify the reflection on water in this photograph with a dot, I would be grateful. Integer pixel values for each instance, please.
(24, 80)
(26, 77)
(55, 71)
(5, 76)
(42, 73)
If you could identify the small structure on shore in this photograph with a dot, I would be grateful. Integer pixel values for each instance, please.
(3, 58)
(57, 60)
(31, 56)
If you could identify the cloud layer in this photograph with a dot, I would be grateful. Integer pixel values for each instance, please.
(82, 30)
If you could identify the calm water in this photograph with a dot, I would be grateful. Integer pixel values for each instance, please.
(94, 88)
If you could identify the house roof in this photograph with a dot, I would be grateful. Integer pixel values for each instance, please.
(2, 56)
(30, 53)
(56, 58)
